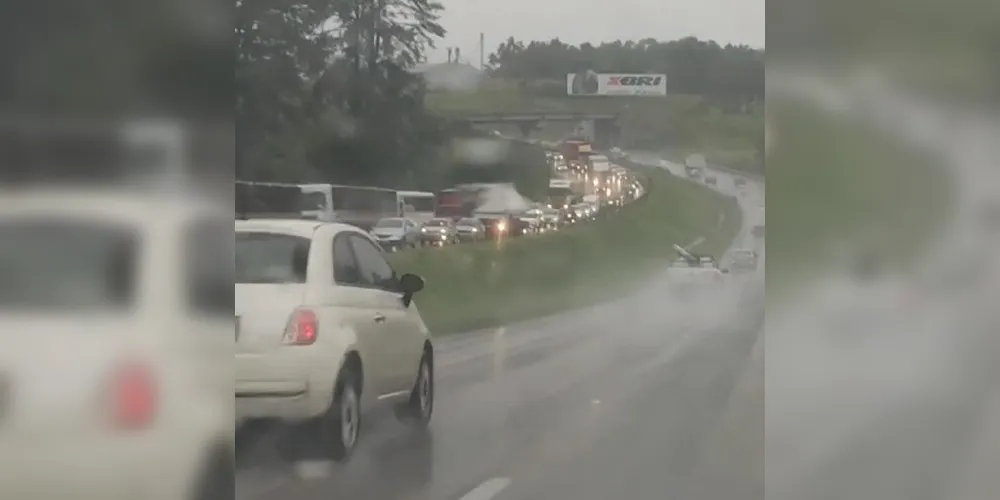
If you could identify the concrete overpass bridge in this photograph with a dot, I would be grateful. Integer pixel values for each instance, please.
(603, 128)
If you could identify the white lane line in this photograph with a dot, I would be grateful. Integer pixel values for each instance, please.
(313, 469)
(499, 350)
(488, 489)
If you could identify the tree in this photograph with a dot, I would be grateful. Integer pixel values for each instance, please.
(327, 83)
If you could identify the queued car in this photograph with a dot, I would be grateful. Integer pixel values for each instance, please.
(568, 216)
(529, 222)
(470, 229)
(744, 260)
(320, 354)
(438, 231)
(550, 219)
(396, 233)
(498, 226)
(584, 211)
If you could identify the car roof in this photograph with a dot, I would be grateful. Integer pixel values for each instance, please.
(294, 227)
(136, 207)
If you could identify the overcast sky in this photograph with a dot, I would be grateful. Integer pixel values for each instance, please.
(577, 21)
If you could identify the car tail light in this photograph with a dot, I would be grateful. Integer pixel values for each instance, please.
(302, 329)
(133, 396)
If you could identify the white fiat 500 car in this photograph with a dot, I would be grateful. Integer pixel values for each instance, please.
(115, 370)
(327, 332)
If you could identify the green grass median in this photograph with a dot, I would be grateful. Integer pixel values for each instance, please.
(475, 286)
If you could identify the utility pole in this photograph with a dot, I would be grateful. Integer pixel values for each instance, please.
(482, 51)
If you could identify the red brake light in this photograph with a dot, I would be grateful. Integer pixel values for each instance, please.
(302, 329)
(133, 397)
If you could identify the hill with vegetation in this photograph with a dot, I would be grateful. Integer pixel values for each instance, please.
(714, 104)
(321, 96)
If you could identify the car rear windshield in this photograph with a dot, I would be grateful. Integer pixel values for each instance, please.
(271, 258)
(59, 264)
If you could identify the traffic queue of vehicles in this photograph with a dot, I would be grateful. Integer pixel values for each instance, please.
(401, 220)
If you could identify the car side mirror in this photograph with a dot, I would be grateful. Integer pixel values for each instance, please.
(410, 284)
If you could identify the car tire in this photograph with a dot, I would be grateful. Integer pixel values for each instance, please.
(334, 435)
(418, 409)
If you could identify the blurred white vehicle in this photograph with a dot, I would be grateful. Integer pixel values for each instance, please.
(327, 332)
(744, 259)
(686, 273)
(396, 233)
(695, 165)
(115, 368)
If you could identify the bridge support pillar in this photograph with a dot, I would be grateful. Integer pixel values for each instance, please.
(605, 133)
(528, 126)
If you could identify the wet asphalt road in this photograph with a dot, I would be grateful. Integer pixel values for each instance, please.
(614, 401)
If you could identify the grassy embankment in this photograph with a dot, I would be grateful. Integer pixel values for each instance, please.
(675, 125)
(494, 283)
(832, 183)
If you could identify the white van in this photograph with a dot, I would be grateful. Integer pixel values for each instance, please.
(418, 206)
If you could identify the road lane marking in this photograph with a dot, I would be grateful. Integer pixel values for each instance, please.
(313, 469)
(499, 351)
(489, 489)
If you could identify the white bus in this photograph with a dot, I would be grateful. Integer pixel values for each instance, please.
(417, 205)
(356, 205)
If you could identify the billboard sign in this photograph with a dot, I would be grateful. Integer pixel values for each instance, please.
(615, 84)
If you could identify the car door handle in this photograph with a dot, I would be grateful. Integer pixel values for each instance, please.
(379, 318)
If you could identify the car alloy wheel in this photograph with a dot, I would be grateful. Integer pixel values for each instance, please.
(425, 391)
(349, 417)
